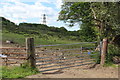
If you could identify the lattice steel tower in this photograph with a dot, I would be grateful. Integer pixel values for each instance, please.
(44, 19)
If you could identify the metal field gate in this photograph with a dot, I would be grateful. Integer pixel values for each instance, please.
(62, 56)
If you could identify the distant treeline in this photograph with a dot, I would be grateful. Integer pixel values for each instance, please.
(43, 31)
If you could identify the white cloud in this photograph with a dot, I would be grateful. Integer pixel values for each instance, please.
(58, 3)
(22, 10)
(18, 11)
(46, 1)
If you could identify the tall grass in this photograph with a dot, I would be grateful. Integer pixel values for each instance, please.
(17, 38)
(113, 50)
(17, 72)
(20, 39)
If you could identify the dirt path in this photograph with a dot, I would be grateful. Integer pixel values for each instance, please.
(98, 72)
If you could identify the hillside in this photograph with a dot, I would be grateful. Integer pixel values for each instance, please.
(43, 34)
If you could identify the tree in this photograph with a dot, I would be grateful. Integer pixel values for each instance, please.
(76, 13)
(103, 16)
(87, 33)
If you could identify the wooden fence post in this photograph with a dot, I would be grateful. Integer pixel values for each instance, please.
(104, 51)
(30, 52)
(81, 49)
(6, 61)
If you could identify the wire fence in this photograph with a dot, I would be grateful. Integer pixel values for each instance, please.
(51, 59)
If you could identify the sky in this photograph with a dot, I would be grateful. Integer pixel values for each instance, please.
(31, 11)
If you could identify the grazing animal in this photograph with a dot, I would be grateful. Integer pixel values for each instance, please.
(8, 41)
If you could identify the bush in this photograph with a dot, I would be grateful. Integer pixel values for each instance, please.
(113, 50)
(96, 56)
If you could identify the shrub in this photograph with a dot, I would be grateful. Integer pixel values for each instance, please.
(113, 50)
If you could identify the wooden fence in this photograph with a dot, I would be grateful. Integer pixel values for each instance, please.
(19, 55)
(13, 55)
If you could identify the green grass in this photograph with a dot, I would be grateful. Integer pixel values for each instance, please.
(43, 41)
(20, 39)
(111, 64)
(96, 56)
(73, 46)
(17, 72)
(17, 38)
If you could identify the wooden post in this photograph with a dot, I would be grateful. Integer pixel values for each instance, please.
(81, 49)
(104, 51)
(6, 61)
(30, 52)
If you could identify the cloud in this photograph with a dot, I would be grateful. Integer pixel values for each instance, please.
(22, 11)
(46, 1)
(58, 3)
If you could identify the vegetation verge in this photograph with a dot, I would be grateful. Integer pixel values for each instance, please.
(17, 71)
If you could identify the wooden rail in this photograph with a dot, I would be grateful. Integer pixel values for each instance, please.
(14, 57)
(10, 62)
(13, 48)
(13, 53)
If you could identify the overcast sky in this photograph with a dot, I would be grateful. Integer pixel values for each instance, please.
(31, 11)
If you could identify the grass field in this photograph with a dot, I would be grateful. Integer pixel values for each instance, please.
(17, 72)
(20, 39)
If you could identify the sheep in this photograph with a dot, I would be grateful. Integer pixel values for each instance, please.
(8, 41)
